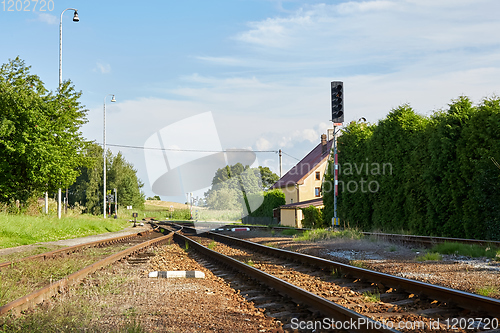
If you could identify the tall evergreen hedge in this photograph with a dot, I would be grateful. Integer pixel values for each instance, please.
(425, 175)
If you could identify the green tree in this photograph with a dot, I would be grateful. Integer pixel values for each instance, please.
(268, 177)
(40, 139)
(120, 174)
(443, 181)
(231, 185)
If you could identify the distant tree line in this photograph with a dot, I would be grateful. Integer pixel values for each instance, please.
(234, 185)
(87, 190)
(42, 148)
(443, 178)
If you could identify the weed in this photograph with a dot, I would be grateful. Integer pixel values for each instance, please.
(321, 234)
(132, 326)
(273, 232)
(250, 263)
(186, 246)
(471, 250)
(212, 245)
(372, 296)
(289, 232)
(336, 273)
(358, 263)
(270, 245)
(393, 248)
(488, 291)
(430, 256)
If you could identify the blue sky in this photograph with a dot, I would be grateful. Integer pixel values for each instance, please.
(262, 67)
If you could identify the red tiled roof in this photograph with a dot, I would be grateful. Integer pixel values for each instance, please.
(301, 170)
(304, 204)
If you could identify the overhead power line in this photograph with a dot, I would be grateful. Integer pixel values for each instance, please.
(194, 150)
(200, 150)
(290, 155)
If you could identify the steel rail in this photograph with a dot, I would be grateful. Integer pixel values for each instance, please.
(74, 248)
(54, 288)
(431, 240)
(300, 295)
(460, 298)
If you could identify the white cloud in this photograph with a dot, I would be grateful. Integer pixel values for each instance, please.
(103, 68)
(263, 144)
(47, 18)
(371, 34)
(226, 61)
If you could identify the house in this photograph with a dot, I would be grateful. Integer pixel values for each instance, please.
(302, 184)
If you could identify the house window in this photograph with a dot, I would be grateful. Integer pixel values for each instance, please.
(316, 191)
(318, 176)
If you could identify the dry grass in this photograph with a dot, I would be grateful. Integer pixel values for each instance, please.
(25, 277)
(166, 204)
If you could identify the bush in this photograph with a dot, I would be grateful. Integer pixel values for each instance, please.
(313, 218)
(431, 175)
(272, 199)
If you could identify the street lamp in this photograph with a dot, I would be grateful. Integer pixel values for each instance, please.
(104, 150)
(75, 19)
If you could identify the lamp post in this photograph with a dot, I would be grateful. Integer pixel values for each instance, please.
(75, 19)
(104, 151)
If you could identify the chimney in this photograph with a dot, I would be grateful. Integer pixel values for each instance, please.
(323, 144)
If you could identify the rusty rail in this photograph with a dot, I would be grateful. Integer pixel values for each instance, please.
(52, 289)
(74, 248)
(300, 295)
(430, 240)
(461, 298)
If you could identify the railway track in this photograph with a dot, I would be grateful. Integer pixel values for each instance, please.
(97, 255)
(425, 241)
(76, 248)
(398, 300)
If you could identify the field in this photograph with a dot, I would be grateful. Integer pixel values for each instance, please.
(161, 211)
(18, 230)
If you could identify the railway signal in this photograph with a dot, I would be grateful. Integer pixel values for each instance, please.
(337, 102)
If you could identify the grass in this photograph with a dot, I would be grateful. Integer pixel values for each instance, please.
(78, 310)
(18, 230)
(212, 245)
(182, 212)
(372, 296)
(430, 256)
(472, 250)
(488, 291)
(358, 263)
(289, 232)
(24, 277)
(250, 263)
(322, 234)
(393, 248)
(37, 250)
(336, 273)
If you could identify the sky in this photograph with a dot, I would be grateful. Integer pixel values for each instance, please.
(261, 69)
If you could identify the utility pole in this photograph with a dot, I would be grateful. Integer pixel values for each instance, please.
(116, 204)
